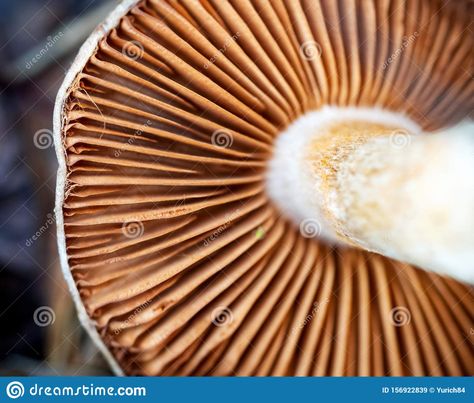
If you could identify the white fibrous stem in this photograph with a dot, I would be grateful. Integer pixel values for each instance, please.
(372, 179)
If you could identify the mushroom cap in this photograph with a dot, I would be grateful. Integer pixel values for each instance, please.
(178, 261)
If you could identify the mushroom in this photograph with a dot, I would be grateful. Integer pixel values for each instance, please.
(227, 170)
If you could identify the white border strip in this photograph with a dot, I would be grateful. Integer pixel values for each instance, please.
(86, 51)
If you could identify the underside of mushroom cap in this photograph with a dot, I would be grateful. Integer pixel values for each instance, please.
(179, 261)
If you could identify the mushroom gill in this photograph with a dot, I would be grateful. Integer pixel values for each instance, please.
(180, 260)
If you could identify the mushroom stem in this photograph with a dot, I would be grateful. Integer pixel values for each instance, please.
(390, 190)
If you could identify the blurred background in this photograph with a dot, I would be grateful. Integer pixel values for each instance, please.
(40, 334)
